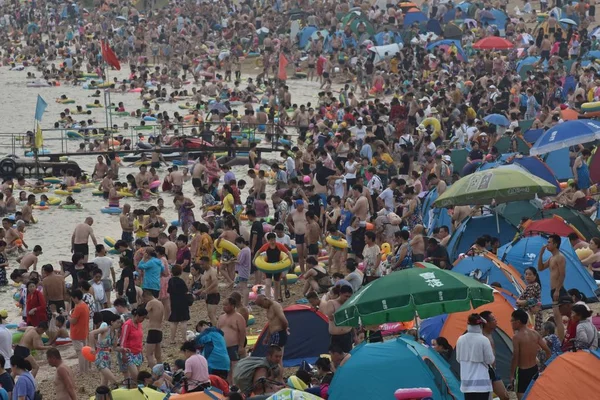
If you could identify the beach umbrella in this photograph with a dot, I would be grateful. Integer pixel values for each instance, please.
(493, 43)
(121, 18)
(423, 264)
(403, 295)
(568, 21)
(592, 54)
(566, 134)
(499, 184)
(220, 107)
(497, 119)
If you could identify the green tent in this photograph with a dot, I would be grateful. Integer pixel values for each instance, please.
(459, 159)
(503, 145)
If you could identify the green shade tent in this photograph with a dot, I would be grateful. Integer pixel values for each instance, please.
(500, 184)
(402, 295)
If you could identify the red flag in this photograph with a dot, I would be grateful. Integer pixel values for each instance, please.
(283, 62)
(109, 56)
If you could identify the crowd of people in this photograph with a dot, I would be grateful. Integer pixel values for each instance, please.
(342, 201)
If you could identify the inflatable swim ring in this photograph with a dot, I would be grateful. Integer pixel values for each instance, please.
(88, 353)
(291, 278)
(125, 194)
(590, 107)
(337, 243)
(251, 320)
(110, 242)
(52, 179)
(414, 393)
(273, 268)
(63, 192)
(111, 210)
(229, 246)
(93, 105)
(97, 193)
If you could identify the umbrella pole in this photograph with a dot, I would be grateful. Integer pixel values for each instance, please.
(497, 222)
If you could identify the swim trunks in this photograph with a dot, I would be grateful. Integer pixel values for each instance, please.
(155, 336)
(299, 239)
(344, 341)
(82, 248)
(561, 292)
(22, 351)
(232, 351)
(278, 338)
(213, 298)
(524, 377)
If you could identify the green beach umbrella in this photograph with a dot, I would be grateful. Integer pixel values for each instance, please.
(402, 295)
(500, 184)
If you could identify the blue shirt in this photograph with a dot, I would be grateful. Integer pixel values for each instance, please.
(152, 270)
(214, 349)
(366, 151)
(24, 387)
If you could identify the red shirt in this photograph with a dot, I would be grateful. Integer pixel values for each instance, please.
(81, 329)
(131, 337)
(265, 246)
(35, 301)
(570, 333)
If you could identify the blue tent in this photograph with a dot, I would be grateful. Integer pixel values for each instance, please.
(474, 227)
(414, 18)
(527, 61)
(499, 19)
(449, 42)
(523, 253)
(464, 6)
(558, 161)
(304, 35)
(570, 83)
(394, 38)
(394, 364)
(531, 135)
(309, 340)
(450, 15)
(486, 270)
(538, 168)
(433, 25)
(434, 217)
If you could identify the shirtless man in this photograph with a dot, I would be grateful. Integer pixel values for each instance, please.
(361, 205)
(277, 322)
(340, 335)
(10, 201)
(557, 264)
(27, 209)
(417, 243)
(338, 356)
(459, 214)
(170, 247)
(488, 329)
(81, 235)
(155, 310)
(156, 158)
(210, 289)
(10, 233)
(197, 173)
(64, 384)
(32, 340)
(142, 176)
(297, 224)
(126, 221)
(523, 367)
(100, 169)
(106, 186)
(272, 371)
(233, 326)
(30, 259)
(176, 177)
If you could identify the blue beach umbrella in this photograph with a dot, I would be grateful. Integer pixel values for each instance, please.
(497, 119)
(566, 134)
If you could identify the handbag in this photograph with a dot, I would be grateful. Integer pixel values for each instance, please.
(189, 298)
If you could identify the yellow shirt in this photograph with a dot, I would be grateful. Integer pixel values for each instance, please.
(384, 157)
(228, 203)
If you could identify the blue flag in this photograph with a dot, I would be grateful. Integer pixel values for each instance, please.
(40, 108)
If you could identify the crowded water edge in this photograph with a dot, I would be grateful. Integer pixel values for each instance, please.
(299, 200)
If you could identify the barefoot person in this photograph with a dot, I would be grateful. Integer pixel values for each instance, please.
(233, 326)
(273, 251)
(524, 367)
(210, 283)
(80, 327)
(81, 235)
(277, 322)
(32, 340)
(557, 264)
(155, 317)
(64, 384)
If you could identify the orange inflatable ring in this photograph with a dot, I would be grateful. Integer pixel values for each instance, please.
(370, 226)
(88, 353)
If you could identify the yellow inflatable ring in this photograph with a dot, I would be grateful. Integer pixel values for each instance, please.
(74, 189)
(62, 192)
(337, 243)
(273, 268)
(435, 123)
(227, 245)
(125, 194)
(590, 107)
(54, 201)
